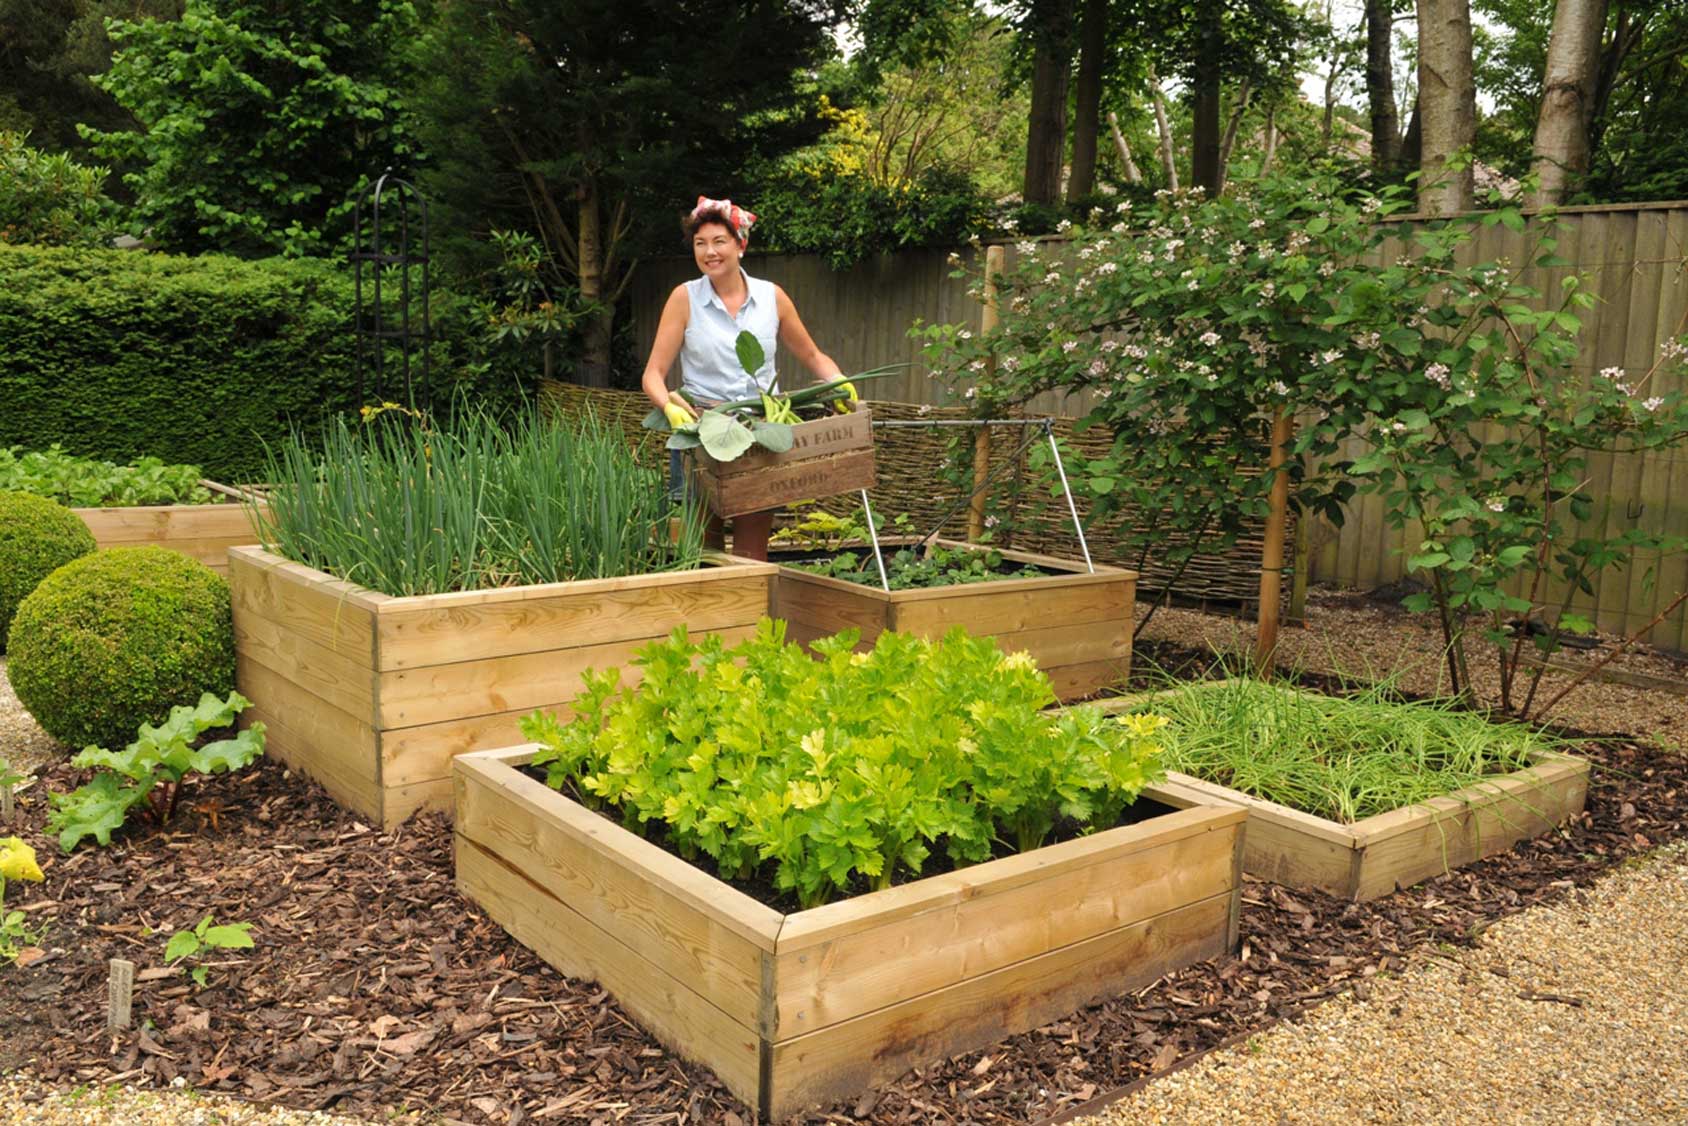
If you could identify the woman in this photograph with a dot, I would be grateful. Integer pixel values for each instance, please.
(701, 323)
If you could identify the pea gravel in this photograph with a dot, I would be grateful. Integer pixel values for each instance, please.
(1575, 1011)
(24, 1104)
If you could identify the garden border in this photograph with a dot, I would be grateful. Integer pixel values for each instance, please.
(793, 1010)
(1381, 854)
(1077, 625)
(372, 695)
(200, 531)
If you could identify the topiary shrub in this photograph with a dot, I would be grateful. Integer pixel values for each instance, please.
(37, 537)
(115, 639)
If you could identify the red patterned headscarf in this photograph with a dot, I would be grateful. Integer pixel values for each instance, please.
(740, 219)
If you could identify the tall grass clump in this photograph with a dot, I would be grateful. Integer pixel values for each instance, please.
(1343, 758)
(401, 507)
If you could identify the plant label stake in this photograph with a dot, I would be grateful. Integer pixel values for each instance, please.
(7, 812)
(120, 995)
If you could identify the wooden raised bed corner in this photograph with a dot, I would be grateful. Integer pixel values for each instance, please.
(1075, 624)
(827, 456)
(795, 1010)
(373, 695)
(1384, 853)
(201, 531)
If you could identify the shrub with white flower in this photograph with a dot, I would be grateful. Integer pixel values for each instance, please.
(1208, 316)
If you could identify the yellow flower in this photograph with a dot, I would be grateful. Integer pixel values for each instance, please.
(1020, 660)
(17, 861)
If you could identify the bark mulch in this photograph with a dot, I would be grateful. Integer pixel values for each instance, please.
(374, 987)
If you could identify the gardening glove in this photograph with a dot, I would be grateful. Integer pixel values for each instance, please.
(848, 403)
(677, 415)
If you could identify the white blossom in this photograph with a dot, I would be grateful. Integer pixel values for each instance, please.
(1438, 374)
(1098, 367)
(1069, 347)
(1210, 338)
(1496, 504)
(1613, 373)
(1279, 387)
(1051, 277)
(1026, 247)
(1330, 356)
(1107, 267)
(1653, 404)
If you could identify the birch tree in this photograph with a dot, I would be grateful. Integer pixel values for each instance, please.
(1447, 104)
(1567, 102)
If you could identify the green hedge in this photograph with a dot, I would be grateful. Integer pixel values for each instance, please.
(119, 354)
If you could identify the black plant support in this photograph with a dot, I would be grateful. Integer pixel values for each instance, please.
(393, 337)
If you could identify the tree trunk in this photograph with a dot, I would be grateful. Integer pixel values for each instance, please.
(1087, 99)
(1271, 140)
(1046, 133)
(595, 358)
(1412, 141)
(1204, 126)
(1380, 86)
(1447, 104)
(1567, 98)
(1238, 108)
(1169, 162)
(1132, 175)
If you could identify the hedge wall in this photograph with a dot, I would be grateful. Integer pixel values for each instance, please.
(117, 354)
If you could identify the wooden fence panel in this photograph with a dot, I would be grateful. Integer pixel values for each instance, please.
(1633, 255)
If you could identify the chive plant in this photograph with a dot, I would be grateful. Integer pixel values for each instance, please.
(403, 508)
(1344, 758)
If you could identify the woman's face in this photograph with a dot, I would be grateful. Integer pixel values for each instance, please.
(716, 251)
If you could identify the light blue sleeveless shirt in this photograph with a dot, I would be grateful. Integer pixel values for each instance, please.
(709, 366)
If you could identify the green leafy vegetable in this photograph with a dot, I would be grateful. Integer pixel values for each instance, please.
(208, 935)
(833, 776)
(90, 483)
(151, 770)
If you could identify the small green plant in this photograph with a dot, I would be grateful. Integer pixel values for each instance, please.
(404, 508)
(151, 770)
(85, 482)
(831, 777)
(1345, 758)
(911, 568)
(17, 862)
(187, 946)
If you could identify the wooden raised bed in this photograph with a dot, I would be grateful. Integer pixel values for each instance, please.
(793, 1010)
(1077, 625)
(201, 531)
(373, 695)
(1381, 854)
(828, 456)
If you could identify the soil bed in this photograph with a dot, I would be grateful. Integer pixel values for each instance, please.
(375, 986)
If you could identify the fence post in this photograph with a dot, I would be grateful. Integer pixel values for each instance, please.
(982, 440)
(1272, 552)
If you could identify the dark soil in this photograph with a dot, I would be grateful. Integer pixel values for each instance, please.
(374, 986)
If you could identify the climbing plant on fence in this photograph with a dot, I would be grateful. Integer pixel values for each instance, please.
(1196, 322)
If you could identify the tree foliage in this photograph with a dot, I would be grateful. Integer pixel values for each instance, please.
(50, 199)
(260, 124)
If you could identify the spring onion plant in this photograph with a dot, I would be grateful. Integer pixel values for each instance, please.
(404, 508)
(1343, 758)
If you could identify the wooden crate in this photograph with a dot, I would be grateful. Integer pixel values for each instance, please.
(202, 531)
(1076, 624)
(816, 1006)
(827, 457)
(1381, 854)
(373, 695)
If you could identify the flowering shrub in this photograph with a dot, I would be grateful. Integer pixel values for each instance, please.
(1196, 322)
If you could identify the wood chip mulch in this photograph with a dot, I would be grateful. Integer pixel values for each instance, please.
(375, 987)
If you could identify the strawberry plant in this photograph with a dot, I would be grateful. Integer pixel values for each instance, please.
(149, 772)
(833, 776)
(911, 568)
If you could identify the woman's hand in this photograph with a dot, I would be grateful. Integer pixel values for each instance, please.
(678, 412)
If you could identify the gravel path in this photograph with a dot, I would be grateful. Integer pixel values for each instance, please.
(1574, 1012)
(24, 1104)
(23, 744)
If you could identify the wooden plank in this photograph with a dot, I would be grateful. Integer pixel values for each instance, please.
(1084, 641)
(1087, 678)
(412, 755)
(826, 606)
(835, 434)
(334, 676)
(782, 484)
(457, 599)
(683, 883)
(563, 853)
(336, 749)
(876, 966)
(1010, 606)
(440, 693)
(711, 600)
(846, 1058)
(155, 523)
(669, 1007)
(946, 890)
(337, 615)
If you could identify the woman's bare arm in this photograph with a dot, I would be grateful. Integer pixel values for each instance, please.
(670, 334)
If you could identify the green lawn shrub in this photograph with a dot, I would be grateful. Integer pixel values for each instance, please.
(116, 638)
(37, 537)
(123, 354)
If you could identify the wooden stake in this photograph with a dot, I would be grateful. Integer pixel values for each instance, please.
(7, 810)
(120, 995)
(982, 441)
(1272, 552)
